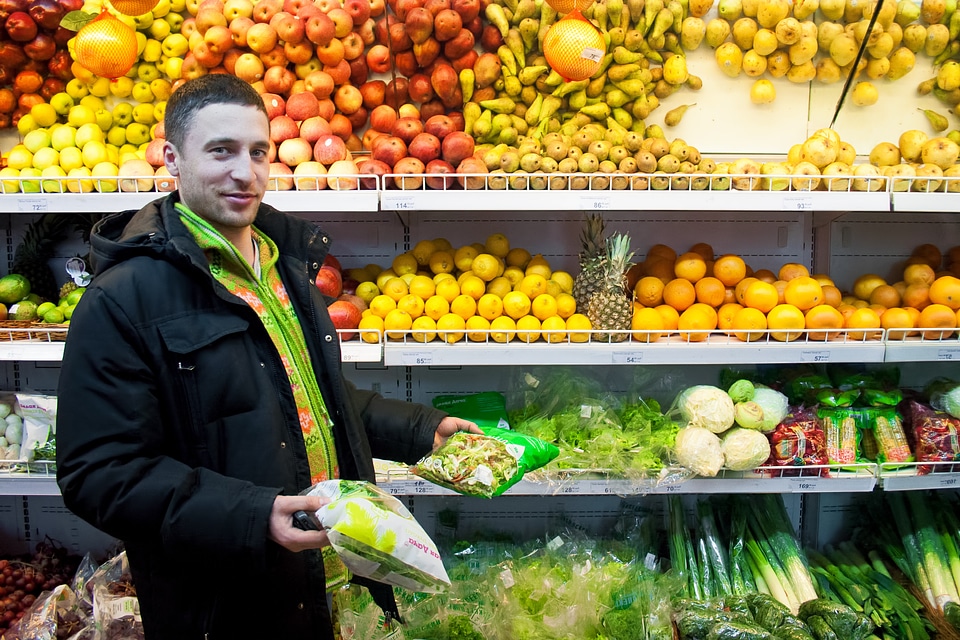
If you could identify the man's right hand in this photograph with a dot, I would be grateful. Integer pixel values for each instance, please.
(282, 528)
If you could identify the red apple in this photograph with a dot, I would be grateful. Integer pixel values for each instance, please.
(366, 32)
(312, 129)
(459, 45)
(407, 129)
(329, 149)
(154, 152)
(340, 72)
(457, 146)
(439, 167)
(293, 151)
(353, 47)
(490, 38)
(407, 166)
(303, 105)
(277, 79)
(350, 294)
(274, 58)
(436, 6)
(359, 10)
(406, 63)
(369, 166)
(261, 37)
(378, 59)
(20, 26)
(59, 65)
(420, 88)
(329, 281)
(346, 317)
(41, 48)
(397, 92)
(357, 120)
(468, 9)
(382, 118)
(289, 28)
(439, 125)
(319, 83)
(404, 6)
(320, 29)
(373, 92)
(233, 9)
(343, 23)
(263, 10)
(283, 128)
(388, 150)
(466, 61)
(293, 7)
(331, 260)
(299, 53)
(424, 147)
(46, 13)
(238, 28)
(377, 8)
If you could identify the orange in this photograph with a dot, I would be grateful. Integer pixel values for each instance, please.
(765, 274)
(422, 286)
(729, 269)
(761, 295)
(516, 304)
(382, 304)
(749, 324)
(710, 291)
(792, 270)
(729, 295)
(649, 291)
(662, 251)
(916, 295)
(937, 316)
(696, 322)
(473, 287)
(647, 325)
(396, 324)
(914, 317)
(679, 293)
(831, 295)
(477, 328)
(464, 306)
(578, 328)
(490, 306)
(424, 329)
(726, 313)
(395, 288)
(823, 316)
(895, 320)
(930, 253)
(781, 286)
(554, 329)
(671, 317)
(945, 290)
(703, 249)
(543, 306)
(865, 284)
(450, 328)
(787, 318)
(741, 288)
(412, 304)
(503, 329)
(528, 329)
(919, 272)
(690, 266)
(846, 310)
(448, 289)
(566, 43)
(885, 295)
(659, 268)
(863, 319)
(803, 292)
(823, 279)
(532, 285)
(435, 307)
(566, 305)
(485, 266)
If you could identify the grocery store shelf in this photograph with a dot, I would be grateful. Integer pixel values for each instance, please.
(718, 348)
(812, 479)
(633, 192)
(917, 476)
(908, 201)
(33, 479)
(919, 349)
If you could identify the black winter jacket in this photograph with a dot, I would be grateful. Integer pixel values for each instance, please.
(177, 428)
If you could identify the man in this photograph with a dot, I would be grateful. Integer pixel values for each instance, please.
(201, 389)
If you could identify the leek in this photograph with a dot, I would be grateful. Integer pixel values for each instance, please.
(678, 535)
(934, 555)
(911, 548)
(716, 555)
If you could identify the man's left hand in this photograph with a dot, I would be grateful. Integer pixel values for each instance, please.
(449, 426)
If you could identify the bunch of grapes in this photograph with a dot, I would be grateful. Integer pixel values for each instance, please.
(22, 580)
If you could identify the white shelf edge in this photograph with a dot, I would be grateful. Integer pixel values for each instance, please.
(29, 350)
(920, 350)
(910, 201)
(907, 477)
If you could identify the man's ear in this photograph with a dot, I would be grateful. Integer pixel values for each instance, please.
(171, 158)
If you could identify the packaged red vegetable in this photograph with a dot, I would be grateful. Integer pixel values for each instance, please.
(798, 441)
(936, 436)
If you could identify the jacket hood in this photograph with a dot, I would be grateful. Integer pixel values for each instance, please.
(156, 230)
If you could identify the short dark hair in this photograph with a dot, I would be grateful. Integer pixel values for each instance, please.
(195, 94)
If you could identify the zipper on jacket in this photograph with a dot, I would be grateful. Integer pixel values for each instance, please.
(190, 411)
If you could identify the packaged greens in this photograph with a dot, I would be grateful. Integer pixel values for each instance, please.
(377, 537)
(944, 396)
(487, 409)
(484, 465)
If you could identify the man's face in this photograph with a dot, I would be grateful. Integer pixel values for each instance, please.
(222, 165)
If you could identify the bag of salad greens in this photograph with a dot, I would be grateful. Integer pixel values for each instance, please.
(484, 465)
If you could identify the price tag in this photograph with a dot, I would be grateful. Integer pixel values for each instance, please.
(417, 358)
(670, 488)
(627, 357)
(595, 203)
(14, 353)
(947, 483)
(804, 485)
(592, 53)
(570, 488)
(32, 205)
(402, 203)
(951, 353)
(397, 488)
(819, 355)
(797, 203)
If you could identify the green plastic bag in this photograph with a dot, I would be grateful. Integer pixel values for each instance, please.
(484, 465)
(486, 409)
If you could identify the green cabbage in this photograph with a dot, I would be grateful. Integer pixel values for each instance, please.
(744, 449)
(945, 396)
(774, 405)
(698, 449)
(706, 406)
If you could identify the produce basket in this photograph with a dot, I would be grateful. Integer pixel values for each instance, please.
(15, 330)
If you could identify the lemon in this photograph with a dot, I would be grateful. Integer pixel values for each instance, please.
(544, 306)
(477, 328)
(464, 306)
(533, 285)
(516, 304)
(382, 304)
(463, 257)
(490, 306)
(442, 262)
(396, 288)
(448, 289)
(566, 305)
(367, 291)
(578, 327)
(436, 307)
(404, 263)
(554, 329)
(528, 329)
(486, 266)
(412, 304)
(423, 251)
(517, 257)
(473, 287)
(564, 279)
(499, 287)
(371, 328)
(424, 329)
(450, 327)
(503, 329)
(422, 286)
(396, 323)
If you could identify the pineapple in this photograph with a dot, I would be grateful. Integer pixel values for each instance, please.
(36, 248)
(592, 253)
(610, 308)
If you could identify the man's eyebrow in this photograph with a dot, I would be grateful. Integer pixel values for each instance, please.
(231, 141)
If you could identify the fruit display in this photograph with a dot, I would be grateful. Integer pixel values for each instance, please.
(26, 578)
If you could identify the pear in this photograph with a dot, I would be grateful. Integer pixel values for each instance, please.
(803, 9)
(864, 94)
(853, 10)
(908, 12)
(600, 149)
(932, 11)
(530, 162)
(885, 154)
(867, 177)
(827, 71)
(693, 154)
(549, 165)
(754, 64)
(910, 144)
(803, 50)
(926, 86)
(729, 58)
(659, 147)
(567, 165)
(938, 37)
(896, 32)
(811, 179)
(954, 135)
(743, 32)
(932, 175)
(846, 153)
(788, 31)
(680, 149)
(826, 33)
(914, 37)
(836, 169)
(901, 170)
(820, 150)
(802, 73)
(882, 46)
(777, 183)
(674, 116)
(793, 154)
(843, 49)
(770, 12)
(618, 154)
(588, 163)
(706, 165)
(941, 151)
(730, 10)
(937, 122)
(953, 185)
(747, 167)
(497, 180)
(692, 32)
(902, 62)
(832, 9)
(519, 180)
(510, 161)
(778, 63)
(718, 30)
(750, 7)
(646, 161)
(765, 42)
(699, 8)
(860, 32)
(948, 75)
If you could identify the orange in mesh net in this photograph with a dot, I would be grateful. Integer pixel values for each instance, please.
(133, 7)
(566, 6)
(106, 46)
(574, 47)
